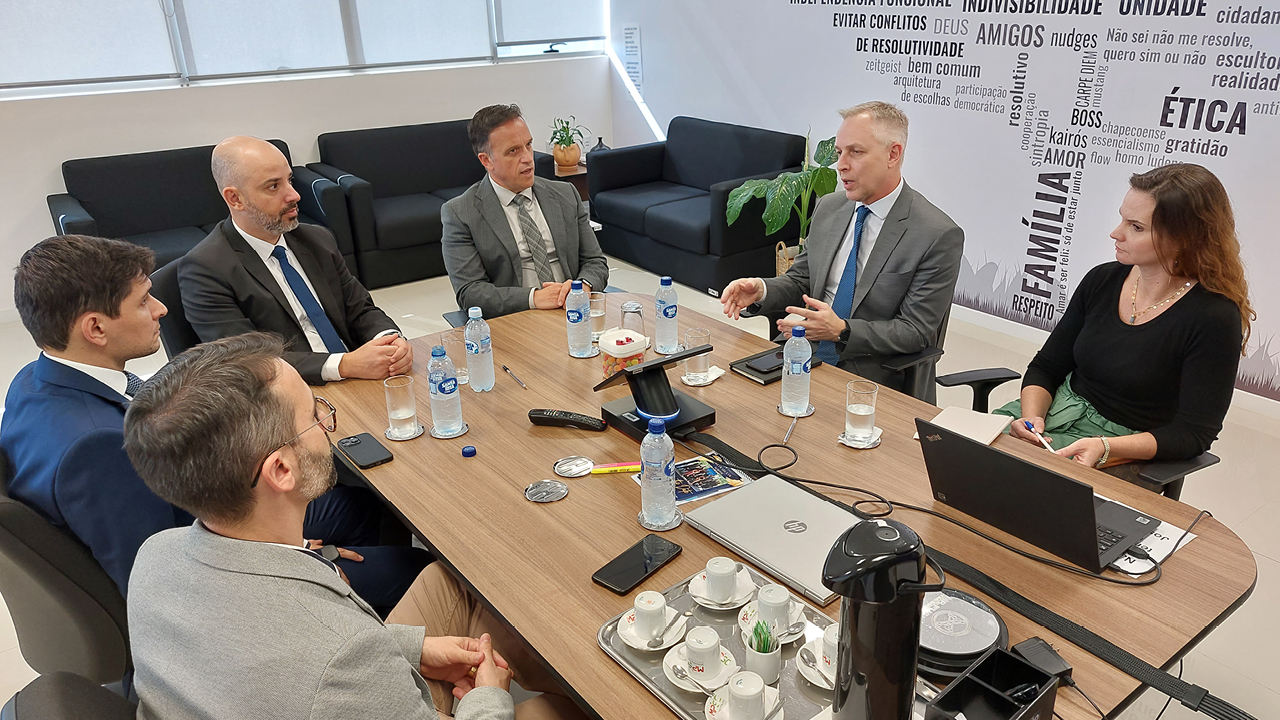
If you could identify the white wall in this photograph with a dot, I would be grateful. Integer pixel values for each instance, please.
(37, 135)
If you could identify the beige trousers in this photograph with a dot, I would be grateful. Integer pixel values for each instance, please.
(439, 603)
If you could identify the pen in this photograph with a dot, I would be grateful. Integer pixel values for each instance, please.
(507, 370)
(1043, 442)
(615, 468)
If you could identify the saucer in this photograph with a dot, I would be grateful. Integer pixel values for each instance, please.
(717, 707)
(747, 619)
(808, 673)
(675, 656)
(742, 593)
(861, 445)
(627, 631)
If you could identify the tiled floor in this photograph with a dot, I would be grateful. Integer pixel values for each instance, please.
(1241, 491)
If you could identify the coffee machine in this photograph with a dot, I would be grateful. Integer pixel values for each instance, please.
(878, 569)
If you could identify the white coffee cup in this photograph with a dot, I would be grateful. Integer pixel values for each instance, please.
(702, 652)
(651, 614)
(773, 607)
(722, 579)
(830, 648)
(746, 696)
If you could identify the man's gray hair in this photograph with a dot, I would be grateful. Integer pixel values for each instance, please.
(198, 429)
(888, 122)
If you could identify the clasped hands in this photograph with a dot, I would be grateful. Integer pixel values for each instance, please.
(378, 359)
(452, 659)
(819, 321)
(1086, 451)
(552, 294)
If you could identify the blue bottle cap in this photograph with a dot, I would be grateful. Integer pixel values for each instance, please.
(797, 331)
(473, 312)
(469, 451)
(437, 351)
(657, 426)
(665, 281)
(577, 285)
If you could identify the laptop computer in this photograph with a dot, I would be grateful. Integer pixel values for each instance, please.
(783, 529)
(1047, 509)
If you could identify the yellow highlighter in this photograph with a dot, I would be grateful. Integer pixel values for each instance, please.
(615, 468)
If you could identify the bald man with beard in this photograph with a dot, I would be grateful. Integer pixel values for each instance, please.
(260, 270)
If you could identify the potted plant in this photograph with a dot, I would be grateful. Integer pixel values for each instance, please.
(789, 191)
(565, 136)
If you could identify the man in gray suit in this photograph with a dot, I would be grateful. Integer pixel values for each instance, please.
(234, 617)
(880, 264)
(514, 241)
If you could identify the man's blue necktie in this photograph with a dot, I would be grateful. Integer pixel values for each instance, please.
(310, 305)
(842, 304)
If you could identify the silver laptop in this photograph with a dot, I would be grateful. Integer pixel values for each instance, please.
(783, 529)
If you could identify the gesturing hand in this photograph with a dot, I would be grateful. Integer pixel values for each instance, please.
(741, 294)
(819, 323)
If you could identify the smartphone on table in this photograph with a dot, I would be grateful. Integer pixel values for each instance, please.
(364, 450)
(636, 563)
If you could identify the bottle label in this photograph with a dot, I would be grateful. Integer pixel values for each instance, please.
(575, 316)
(670, 469)
(472, 348)
(808, 365)
(798, 368)
(486, 343)
(669, 311)
(447, 386)
(434, 378)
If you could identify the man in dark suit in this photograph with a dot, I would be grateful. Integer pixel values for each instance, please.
(514, 241)
(880, 265)
(86, 302)
(261, 270)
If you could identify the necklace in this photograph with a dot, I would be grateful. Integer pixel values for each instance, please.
(1133, 318)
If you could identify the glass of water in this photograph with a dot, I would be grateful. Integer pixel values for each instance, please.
(598, 305)
(633, 316)
(455, 346)
(696, 368)
(860, 410)
(402, 409)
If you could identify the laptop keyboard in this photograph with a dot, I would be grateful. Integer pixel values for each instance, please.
(1107, 537)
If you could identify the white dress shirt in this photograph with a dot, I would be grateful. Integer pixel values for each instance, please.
(871, 225)
(114, 379)
(529, 275)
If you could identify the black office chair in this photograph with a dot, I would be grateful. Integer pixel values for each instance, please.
(1162, 476)
(66, 696)
(175, 332)
(68, 613)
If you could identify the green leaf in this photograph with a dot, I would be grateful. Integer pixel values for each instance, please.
(782, 194)
(825, 181)
(826, 152)
(740, 195)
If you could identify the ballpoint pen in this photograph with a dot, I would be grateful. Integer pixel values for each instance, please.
(507, 370)
(1032, 428)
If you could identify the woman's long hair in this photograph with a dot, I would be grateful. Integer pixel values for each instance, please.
(1195, 232)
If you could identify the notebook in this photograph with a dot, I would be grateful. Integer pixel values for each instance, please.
(980, 427)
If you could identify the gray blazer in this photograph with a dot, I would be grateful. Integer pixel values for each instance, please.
(233, 629)
(905, 289)
(482, 257)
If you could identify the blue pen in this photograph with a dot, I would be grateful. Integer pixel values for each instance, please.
(1044, 442)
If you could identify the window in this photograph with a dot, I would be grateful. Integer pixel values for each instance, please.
(224, 37)
(545, 21)
(401, 31)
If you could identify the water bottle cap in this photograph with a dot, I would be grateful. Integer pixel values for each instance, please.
(469, 451)
(797, 331)
(657, 426)
(473, 312)
(437, 351)
(665, 281)
(577, 285)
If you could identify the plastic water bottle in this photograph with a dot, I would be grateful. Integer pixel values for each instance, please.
(666, 330)
(446, 403)
(479, 352)
(657, 478)
(577, 310)
(797, 358)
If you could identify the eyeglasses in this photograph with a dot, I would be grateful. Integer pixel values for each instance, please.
(326, 416)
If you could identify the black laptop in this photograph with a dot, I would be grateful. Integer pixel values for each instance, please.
(1048, 510)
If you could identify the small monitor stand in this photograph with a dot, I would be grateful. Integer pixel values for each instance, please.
(652, 397)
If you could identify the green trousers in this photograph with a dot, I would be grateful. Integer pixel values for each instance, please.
(1070, 418)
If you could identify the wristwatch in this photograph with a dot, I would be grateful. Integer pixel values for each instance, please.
(844, 336)
(329, 552)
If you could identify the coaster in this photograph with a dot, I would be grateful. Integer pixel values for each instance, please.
(807, 413)
(861, 445)
(546, 491)
(713, 374)
(675, 522)
(595, 350)
(387, 434)
(679, 348)
(465, 428)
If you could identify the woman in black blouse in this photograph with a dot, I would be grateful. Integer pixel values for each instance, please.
(1142, 363)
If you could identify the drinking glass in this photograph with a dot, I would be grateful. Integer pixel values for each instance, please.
(860, 410)
(402, 410)
(633, 316)
(455, 346)
(598, 305)
(696, 368)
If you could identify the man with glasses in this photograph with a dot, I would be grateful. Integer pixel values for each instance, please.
(87, 303)
(235, 618)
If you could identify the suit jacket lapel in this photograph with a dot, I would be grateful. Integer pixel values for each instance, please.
(55, 373)
(491, 210)
(252, 262)
(822, 255)
(890, 233)
(555, 223)
(320, 281)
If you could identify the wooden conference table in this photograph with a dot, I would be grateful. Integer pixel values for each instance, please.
(532, 563)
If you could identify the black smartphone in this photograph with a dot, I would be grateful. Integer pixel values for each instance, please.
(364, 450)
(636, 563)
(767, 363)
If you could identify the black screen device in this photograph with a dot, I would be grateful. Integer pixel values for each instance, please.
(364, 450)
(767, 363)
(636, 563)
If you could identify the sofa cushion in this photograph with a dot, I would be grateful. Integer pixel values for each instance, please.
(169, 245)
(701, 153)
(407, 221)
(146, 192)
(407, 159)
(626, 207)
(685, 224)
(448, 194)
